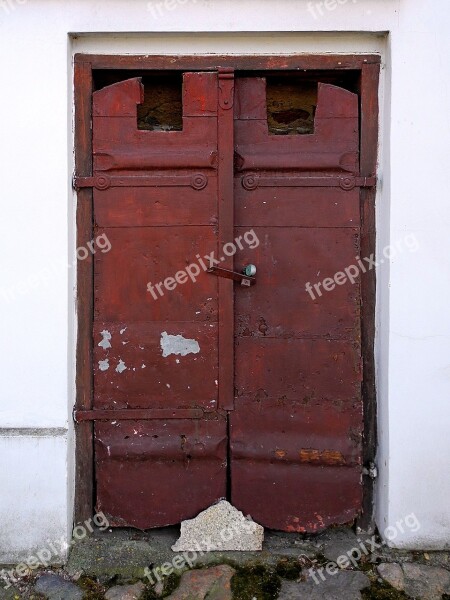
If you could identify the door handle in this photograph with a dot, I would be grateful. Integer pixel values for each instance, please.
(246, 278)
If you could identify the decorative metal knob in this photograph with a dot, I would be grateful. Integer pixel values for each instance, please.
(249, 270)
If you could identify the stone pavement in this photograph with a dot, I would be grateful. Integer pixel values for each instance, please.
(334, 565)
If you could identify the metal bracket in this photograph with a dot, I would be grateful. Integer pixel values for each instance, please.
(226, 88)
(241, 278)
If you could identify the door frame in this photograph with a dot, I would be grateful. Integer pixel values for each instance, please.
(84, 64)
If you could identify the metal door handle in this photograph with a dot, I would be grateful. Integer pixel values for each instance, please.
(242, 278)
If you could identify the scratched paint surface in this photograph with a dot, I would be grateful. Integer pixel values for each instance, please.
(296, 427)
(156, 353)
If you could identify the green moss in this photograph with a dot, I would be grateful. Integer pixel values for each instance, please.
(382, 591)
(321, 560)
(255, 582)
(149, 594)
(289, 569)
(91, 588)
(170, 585)
(366, 567)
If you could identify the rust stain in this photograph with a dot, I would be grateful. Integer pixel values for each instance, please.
(280, 453)
(324, 457)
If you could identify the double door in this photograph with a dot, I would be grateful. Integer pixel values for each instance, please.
(209, 383)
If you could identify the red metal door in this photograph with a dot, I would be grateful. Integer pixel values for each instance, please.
(174, 372)
(297, 426)
(162, 456)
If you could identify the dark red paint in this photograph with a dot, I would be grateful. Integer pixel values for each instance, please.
(284, 369)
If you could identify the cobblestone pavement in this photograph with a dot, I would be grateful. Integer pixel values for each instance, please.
(335, 565)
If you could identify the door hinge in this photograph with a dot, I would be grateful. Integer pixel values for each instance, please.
(371, 470)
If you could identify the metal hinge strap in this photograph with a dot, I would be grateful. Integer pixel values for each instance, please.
(197, 181)
(250, 181)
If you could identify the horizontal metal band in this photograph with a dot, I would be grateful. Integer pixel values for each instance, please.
(131, 414)
(251, 181)
(197, 181)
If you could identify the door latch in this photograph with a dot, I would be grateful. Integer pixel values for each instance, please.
(246, 278)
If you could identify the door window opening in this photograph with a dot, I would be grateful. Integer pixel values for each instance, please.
(291, 106)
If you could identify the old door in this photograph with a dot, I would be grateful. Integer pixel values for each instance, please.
(162, 456)
(205, 388)
(297, 425)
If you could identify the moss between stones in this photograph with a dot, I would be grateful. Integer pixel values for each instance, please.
(289, 569)
(382, 591)
(170, 585)
(149, 594)
(255, 582)
(91, 588)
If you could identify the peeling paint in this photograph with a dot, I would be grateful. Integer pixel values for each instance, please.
(121, 366)
(122, 330)
(106, 336)
(177, 344)
(103, 365)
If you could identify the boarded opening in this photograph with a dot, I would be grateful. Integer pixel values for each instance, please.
(162, 109)
(291, 106)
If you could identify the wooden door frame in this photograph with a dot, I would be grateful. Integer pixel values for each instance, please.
(84, 64)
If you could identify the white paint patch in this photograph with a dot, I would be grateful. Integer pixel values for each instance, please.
(122, 330)
(106, 336)
(103, 365)
(121, 367)
(177, 344)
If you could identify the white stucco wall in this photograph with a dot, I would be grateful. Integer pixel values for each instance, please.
(37, 40)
